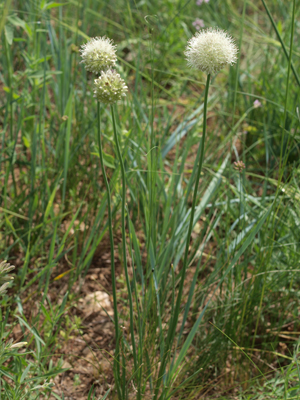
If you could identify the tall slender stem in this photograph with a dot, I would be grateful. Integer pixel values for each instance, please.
(124, 237)
(112, 254)
(174, 320)
(185, 260)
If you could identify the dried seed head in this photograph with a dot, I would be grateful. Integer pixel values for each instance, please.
(5, 267)
(98, 54)
(210, 50)
(109, 87)
(5, 279)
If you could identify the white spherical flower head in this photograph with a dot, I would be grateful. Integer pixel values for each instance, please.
(98, 54)
(210, 50)
(109, 87)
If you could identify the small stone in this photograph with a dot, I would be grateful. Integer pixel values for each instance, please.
(97, 302)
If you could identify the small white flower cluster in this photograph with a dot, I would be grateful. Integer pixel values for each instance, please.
(109, 87)
(210, 50)
(98, 54)
(99, 57)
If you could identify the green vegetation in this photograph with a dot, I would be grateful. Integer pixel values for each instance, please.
(235, 332)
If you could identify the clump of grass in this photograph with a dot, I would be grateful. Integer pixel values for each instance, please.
(19, 378)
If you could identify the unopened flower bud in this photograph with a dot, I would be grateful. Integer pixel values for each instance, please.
(257, 104)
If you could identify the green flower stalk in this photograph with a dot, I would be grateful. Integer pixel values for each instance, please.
(208, 51)
(108, 89)
(112, 255)
(124, 251)
(98, 54)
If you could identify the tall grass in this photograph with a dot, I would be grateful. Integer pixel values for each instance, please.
(242, 277)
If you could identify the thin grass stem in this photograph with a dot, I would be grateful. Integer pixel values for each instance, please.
(281, 41)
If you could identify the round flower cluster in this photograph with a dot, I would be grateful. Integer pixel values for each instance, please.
(198, 23)
(239, 166)
(99, 57)
(210, 50)
(109, 87)
(98, 54)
